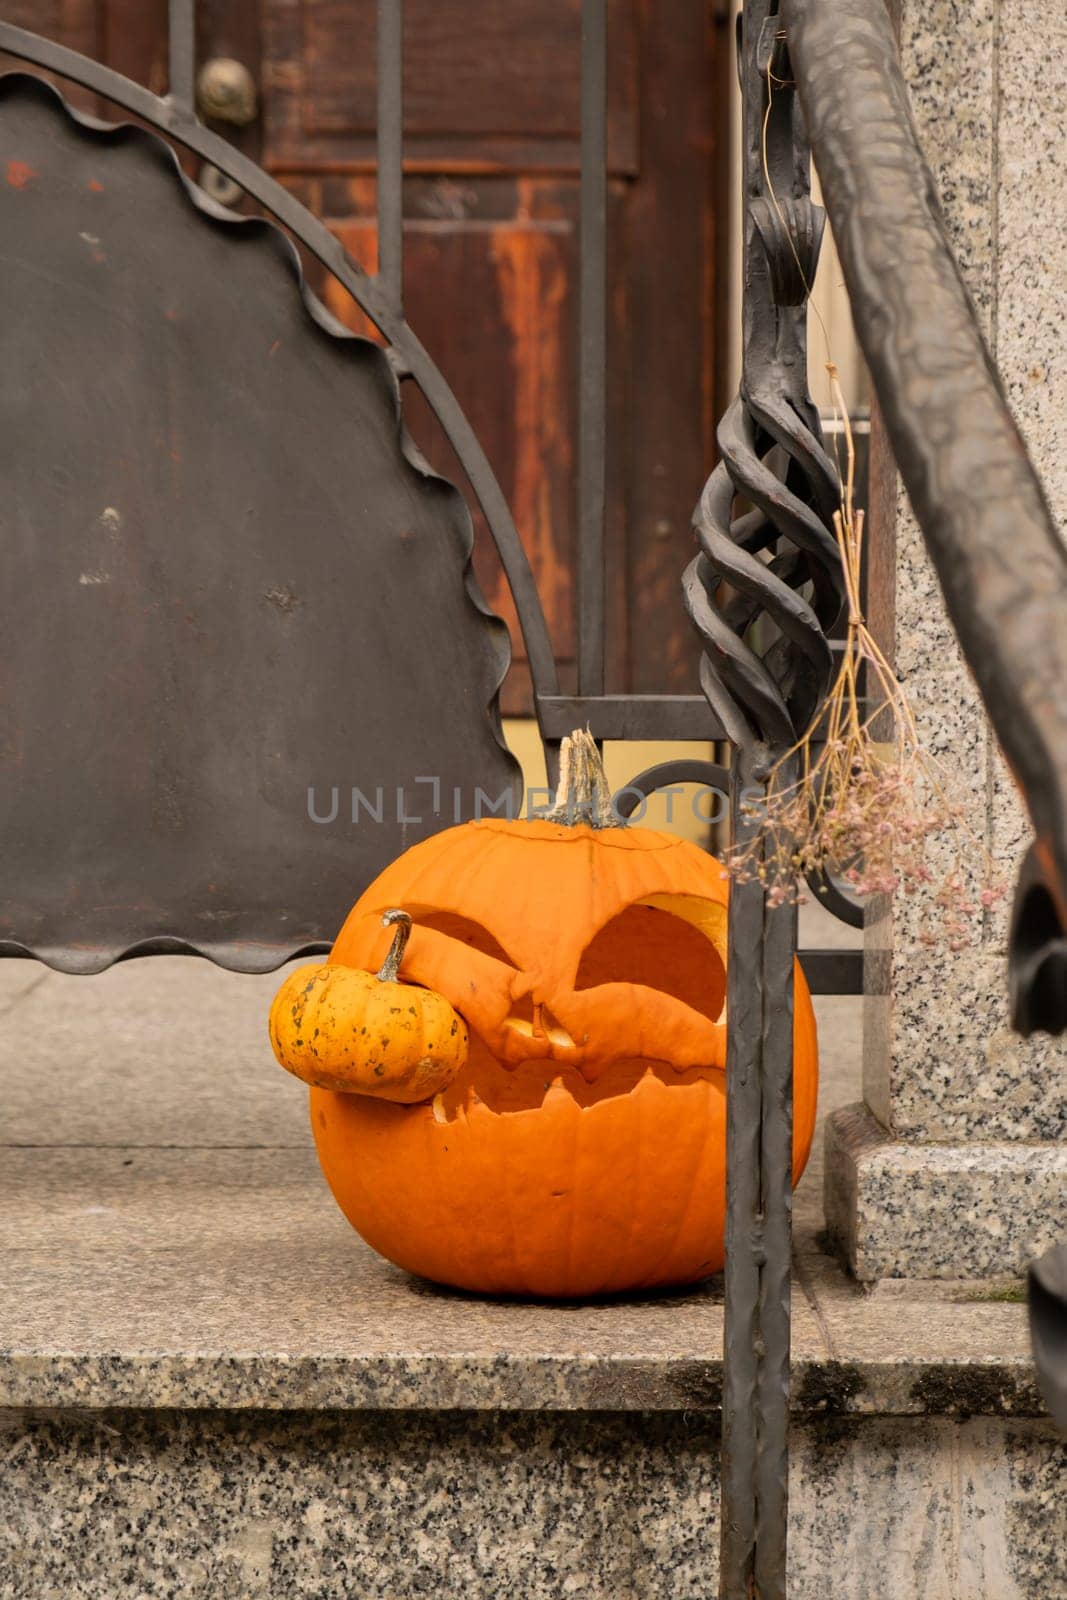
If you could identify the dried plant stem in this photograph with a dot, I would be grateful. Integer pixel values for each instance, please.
(869, 796)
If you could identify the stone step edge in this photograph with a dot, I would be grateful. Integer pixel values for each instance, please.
(204, 1381)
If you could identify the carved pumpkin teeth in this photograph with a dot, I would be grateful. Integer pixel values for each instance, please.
(556, 1092)
(559, 1095)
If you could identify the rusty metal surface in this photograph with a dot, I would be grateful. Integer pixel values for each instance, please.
(407, 354)
(229, 577)
(987, 525)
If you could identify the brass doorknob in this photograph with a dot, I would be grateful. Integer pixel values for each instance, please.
(226, 92)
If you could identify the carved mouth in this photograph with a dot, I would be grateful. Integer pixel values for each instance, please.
(486, 1086)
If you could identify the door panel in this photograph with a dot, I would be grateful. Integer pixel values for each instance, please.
(485, 85)
(490, 275)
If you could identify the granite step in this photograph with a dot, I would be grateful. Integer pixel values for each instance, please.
(209, 1385)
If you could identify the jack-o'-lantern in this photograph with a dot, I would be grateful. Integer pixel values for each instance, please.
(580, 1148)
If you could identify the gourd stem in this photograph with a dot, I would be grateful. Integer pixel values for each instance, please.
(584, 795)
(389, 971)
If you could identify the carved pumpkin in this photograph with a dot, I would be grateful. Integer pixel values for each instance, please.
(581, 1149)
(338, 1028)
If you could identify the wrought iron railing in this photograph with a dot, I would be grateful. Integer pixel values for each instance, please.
(765, 551)
(1003, 571)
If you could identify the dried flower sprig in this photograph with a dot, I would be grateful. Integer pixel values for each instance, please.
(868, 797)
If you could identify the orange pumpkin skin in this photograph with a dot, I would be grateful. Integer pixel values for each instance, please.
(582, 1150)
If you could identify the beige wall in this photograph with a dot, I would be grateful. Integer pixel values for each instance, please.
(828, 298)
(622, 763)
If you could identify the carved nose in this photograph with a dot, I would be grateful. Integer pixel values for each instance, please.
(540, 1025)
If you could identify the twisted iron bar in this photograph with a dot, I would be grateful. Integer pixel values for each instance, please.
(766, 586)
(766, 698)
(763, 591)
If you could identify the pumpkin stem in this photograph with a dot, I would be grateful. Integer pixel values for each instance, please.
(583, 794)
(389, 972)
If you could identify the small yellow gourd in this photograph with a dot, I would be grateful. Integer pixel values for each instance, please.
(357, 1032)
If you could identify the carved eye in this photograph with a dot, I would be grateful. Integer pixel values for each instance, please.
(477, 937)
(466, 930)
(648, 945)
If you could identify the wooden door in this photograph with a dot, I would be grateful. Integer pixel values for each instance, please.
(491, 252)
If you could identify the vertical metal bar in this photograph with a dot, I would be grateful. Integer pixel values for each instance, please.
(592, 348)
(181, 67)
(776, 1206)
(759, 1163)
(742, 1434)
(390, 140)
(744, 1010)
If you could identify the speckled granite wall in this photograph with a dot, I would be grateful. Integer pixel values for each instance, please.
(941, 1063)
(294, 1506)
